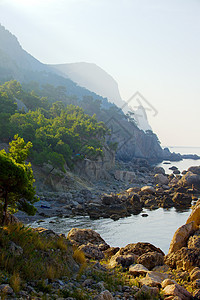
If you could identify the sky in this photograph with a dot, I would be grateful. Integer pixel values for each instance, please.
(147, 46)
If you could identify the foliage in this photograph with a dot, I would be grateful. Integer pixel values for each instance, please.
(61, 134)
(16, 179)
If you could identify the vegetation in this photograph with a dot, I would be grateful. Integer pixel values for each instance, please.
(59, 133)
(16, 179)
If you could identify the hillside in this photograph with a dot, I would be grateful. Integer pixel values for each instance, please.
(16, 63)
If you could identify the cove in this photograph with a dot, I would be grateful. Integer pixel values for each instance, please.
(158, 228)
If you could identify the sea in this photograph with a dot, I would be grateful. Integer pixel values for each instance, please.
(157, 228)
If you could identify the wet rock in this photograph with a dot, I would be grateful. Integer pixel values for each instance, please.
(151, 260)
(181, 236)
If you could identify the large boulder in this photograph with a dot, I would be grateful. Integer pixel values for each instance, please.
(162, 179)
(148, 189)
(181, 199)
(79, 237)
(195, 215)
(128, 255)
(159, 170)
(154, 279)
(190, 179)
(151, 260)
(181, 236)
(195, 170)
(184, 258)
(175, 290)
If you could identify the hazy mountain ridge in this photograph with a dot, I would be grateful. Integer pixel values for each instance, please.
(92, 77)
(16, 63)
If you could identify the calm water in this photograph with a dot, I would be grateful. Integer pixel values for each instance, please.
(185, 163)
(158, 228)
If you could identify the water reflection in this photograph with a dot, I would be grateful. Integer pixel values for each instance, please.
(158, 228)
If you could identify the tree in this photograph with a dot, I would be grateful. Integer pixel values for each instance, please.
(16, 179)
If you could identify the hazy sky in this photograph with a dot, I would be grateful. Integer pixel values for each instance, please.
(150, 46)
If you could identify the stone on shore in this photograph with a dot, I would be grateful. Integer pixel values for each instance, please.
(181, 236)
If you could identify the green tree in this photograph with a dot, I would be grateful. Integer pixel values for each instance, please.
(16, 179)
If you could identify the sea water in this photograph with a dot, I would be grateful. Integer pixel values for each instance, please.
(157, 228)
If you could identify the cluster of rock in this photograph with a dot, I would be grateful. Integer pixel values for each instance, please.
(153, 270)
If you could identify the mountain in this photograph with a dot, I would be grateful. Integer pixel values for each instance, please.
(93, 78)
(16, 63)
(88, 83)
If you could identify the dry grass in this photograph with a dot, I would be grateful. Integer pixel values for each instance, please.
(15, 282)
(42, 257)
(79, 257)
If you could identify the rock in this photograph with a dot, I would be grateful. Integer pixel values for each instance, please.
(162, 179)
(190, 179)
(137, 270)
(6, 289)
(177, 290)
(176, 172)
(194, 241)
(79, 237)
(154, 279)
(181, 236)
(184, 258)
(195, 170)
(181, 199)
(129, 254)
(46, 232)
(196, 294)
(159, 170)
(173, 168)
(144, 215)
(167, 281)
(195, 274)
(148, 189)
(105, 295)
(123, 260)
(107, 199)
(195, 215)
(111, 251)
(196, 284)
(126, 176)
(147, 292)
(91, 251)
(151, 260)
(161, 269)
(15, 249)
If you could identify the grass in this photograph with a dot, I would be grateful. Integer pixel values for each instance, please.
(42, 257)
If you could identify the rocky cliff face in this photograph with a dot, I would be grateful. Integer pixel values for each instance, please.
(92, 77)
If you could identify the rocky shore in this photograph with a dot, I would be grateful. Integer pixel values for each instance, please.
(98, 271)
(129, 189)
